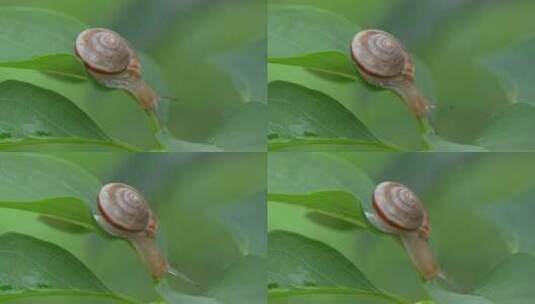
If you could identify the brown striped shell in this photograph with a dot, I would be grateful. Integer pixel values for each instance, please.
(124, 208)
(398, 207)
(111, 61)
(104, 51)
(379, 56)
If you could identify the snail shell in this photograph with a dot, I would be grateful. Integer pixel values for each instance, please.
(104, 51)
(124, 208)
(382, 61)
(381, 57)
(398, 206)
(379, 53)
(112, 61)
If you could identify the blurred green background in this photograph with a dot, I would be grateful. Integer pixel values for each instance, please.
(207, 207)
(450, 37)
(481, 210)
(186, 38)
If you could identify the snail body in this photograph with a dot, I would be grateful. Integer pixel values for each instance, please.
(112, 61)
(125, 213)
(382, 61)
(397, 210)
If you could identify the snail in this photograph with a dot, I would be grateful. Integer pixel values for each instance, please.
(382, 61)
(125, 213)
(112, 61)
(397, 210)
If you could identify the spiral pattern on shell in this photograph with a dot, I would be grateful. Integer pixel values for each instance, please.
(379, 53)
(124, 207)
(103, 50)
(398, 206)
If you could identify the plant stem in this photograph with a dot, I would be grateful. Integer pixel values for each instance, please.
(115, 297)
(113, 143)
(335, 291)
(156, 127)
(294, 143)
(123, 145)
(426, 130)
(154, 120)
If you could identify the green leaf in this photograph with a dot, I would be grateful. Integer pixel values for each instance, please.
(333, 62)
(63, 65)
(310, 37)
(301, 173)
(172, 296)
(48, 186)
(321, 41)
(514, 67)
(298, 265)
(30, 267)
(67, 209)
(443, 296)
(511, 282)
(439, 144)
(172, 144)
(43, 40)
(296, 111)
(512, 130)
(328, 144)
(338, 204)
(245, 66)
(247, 222)
(244, 129)
(294, 30)
(40, 40)
(298, 262)
(243, 282)
(514, 218)
(97, 101)
(32, 115)
(302, 114)
(436, 143)
(322, 182)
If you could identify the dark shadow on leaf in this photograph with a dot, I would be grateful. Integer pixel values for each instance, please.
(272, 136)
(62, 225)
(64, 78)
(330, 76)
(330, 222)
